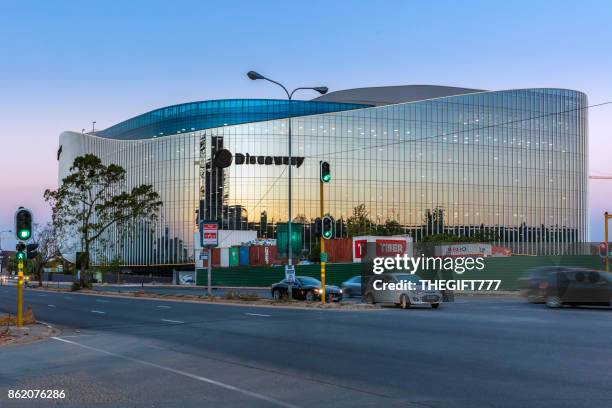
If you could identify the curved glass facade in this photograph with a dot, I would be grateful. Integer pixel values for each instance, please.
(511, 163)
(192, 116)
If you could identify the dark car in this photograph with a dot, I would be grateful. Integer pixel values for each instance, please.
(352, 287)
(578, 286)
(535, 282)
(306, 288)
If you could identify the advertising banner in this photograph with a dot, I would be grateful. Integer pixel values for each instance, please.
(385, 246)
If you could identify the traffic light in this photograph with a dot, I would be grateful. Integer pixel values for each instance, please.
(327, 227)
(31, 250)
(23, 224)
(325, 172)
(603, 250)
(21, 254)
(318, 227)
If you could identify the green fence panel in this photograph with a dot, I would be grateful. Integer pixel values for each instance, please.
(507, 269)
(264, 276)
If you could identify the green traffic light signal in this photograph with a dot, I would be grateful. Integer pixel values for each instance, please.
(327, 227)
(325, 172)
(23, 224)
(20, 256)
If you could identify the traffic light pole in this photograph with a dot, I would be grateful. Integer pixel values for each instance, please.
(20, 293)
(607, 258)
(322, 245)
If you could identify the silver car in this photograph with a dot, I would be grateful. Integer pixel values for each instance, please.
(403, 297)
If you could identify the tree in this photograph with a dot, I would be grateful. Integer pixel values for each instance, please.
(300, 219)
(390, 227)
(94, 198)
(359, 222)
(434, 221)
(45, 239)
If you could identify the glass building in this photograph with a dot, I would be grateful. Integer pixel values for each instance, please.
(429, 159)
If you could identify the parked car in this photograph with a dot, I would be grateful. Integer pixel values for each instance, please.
(405, 297)
(535, 282)
(578, 286)
(352, 287)
(305, 288)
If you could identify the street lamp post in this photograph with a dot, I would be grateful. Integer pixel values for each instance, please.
(320, 89)
(1, 254)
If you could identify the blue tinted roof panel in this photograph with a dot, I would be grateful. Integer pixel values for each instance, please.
(189, 117)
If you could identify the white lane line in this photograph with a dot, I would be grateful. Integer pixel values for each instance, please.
(67, 297)
(51, 305)
(41, 295)
(257, 314)
(184, 374)
(163, 307)
(101, 301)
(172, 321)
(98, 311)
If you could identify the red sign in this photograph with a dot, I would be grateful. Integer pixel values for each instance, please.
(209, 234)
(390, 247)
(361, 247)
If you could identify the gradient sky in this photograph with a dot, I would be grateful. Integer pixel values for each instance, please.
(64, 64)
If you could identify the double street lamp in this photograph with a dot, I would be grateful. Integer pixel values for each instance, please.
(320, 89)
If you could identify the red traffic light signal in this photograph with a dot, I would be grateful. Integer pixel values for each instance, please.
(603, 249)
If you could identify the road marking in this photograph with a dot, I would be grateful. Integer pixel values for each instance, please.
(98, 311)
(164, 307)
(257, 314)
(51, 305)
(171, 321)
(102, 301)
(41, 295)
(67, 297)
(184, 374)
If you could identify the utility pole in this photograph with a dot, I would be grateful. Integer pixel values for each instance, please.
(607, 257)
(252, 75)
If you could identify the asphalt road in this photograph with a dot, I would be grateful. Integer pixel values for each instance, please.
(487, 352)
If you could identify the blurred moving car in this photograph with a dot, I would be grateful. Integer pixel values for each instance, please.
(352, 287)
(405, 297)
(578, 286)
(535, 282)
(305, 288)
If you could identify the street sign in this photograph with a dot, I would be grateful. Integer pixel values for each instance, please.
(290, 273)
(209, 234)
(203, 255)
(323, 256)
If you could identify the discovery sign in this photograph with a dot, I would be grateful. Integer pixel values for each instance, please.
(223, 158)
